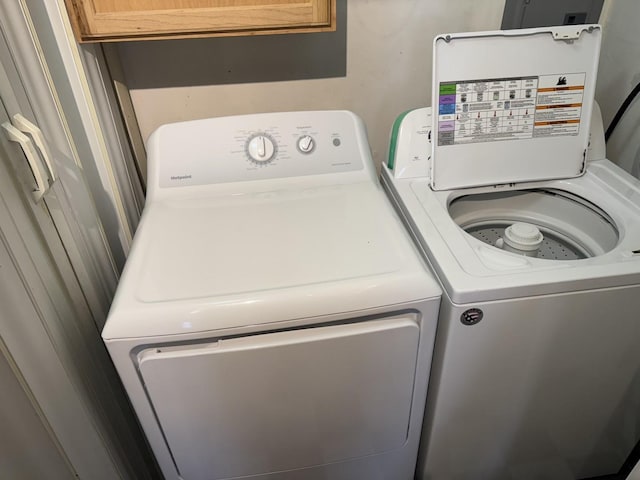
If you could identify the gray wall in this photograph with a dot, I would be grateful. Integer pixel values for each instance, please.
(382, 57)
(378, 64)
(619, 73)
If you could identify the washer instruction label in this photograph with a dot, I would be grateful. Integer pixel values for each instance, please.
(509, 108)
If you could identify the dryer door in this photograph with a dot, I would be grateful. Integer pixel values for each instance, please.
(286, 400)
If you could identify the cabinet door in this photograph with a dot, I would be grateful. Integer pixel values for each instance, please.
(100, 20)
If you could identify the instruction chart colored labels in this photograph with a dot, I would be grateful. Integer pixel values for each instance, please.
(516, 108)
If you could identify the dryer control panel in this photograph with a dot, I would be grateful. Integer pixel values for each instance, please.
(257, 147)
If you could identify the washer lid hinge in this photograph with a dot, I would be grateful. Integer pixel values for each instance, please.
(569, 35)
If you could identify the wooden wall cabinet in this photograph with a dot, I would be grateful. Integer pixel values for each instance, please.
(113, 20)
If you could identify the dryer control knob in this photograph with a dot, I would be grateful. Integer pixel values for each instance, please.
(306, 144)
(261, 148)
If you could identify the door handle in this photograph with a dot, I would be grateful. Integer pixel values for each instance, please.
(25, 126)
(15, 135)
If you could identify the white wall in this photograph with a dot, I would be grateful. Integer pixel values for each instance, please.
(388, 70)
(619, 72)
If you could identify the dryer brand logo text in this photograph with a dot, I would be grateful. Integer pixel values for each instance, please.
(180, 177)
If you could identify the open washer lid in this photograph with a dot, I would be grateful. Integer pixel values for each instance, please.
(512, 106)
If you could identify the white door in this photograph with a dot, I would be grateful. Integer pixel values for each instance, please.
(52, 340)
(28, 450)
(63, 395)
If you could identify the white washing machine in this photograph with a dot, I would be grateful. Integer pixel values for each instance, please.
(535, 238)
(274, 320)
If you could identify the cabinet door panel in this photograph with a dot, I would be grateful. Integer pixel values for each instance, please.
(99, 20)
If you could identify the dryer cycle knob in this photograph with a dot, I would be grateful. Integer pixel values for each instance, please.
(261, 148)
(306, 144)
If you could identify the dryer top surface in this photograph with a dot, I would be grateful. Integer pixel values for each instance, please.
(214, 263)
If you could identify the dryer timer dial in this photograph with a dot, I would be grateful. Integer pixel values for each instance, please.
(261, 148)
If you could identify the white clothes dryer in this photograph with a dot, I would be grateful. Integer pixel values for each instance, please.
(535, 238)
(274, 320)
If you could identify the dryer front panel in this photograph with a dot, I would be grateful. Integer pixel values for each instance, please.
(285, 400)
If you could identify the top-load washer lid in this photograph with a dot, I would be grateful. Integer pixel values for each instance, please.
(512, 106)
